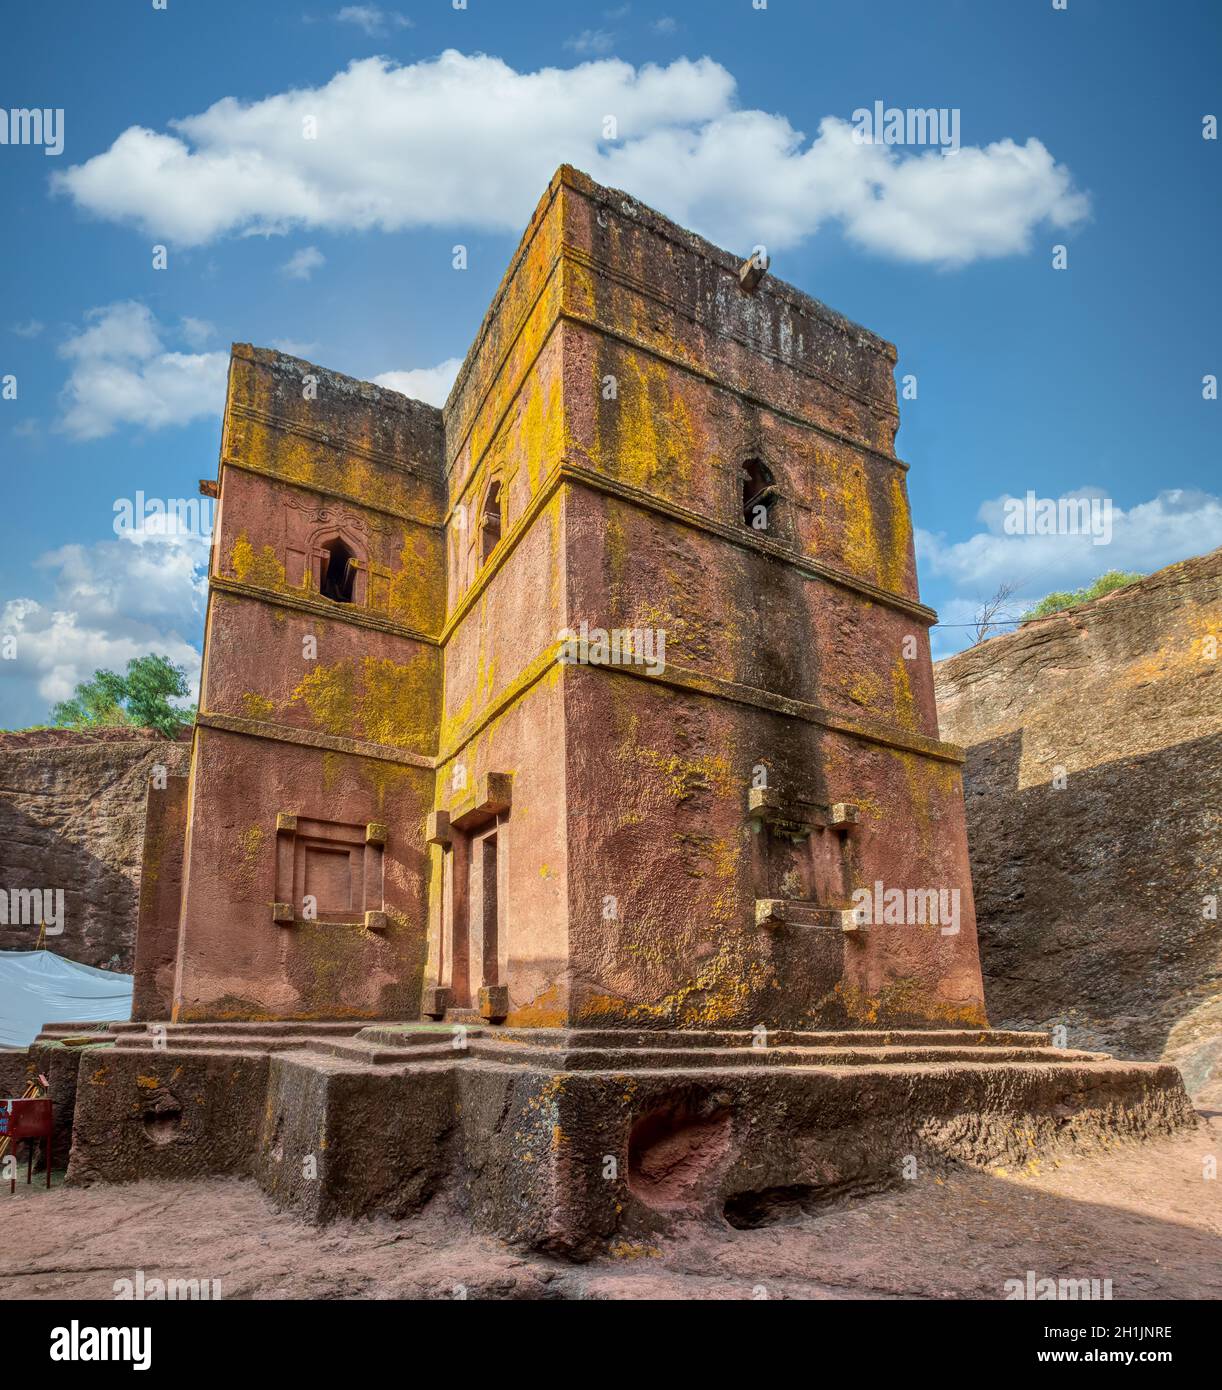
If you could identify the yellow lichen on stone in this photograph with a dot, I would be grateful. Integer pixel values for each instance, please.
(262, 569)
(256, 706)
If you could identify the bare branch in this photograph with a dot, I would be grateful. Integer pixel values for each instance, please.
(992, 613)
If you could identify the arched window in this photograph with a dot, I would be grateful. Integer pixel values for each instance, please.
(759, 495)
(338, 581)
(490, 522)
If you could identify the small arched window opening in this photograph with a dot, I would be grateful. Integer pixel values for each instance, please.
(759, 495)
(338, 572)
(490, 522)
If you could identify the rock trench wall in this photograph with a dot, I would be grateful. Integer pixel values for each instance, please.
(1092, 886)
(72, 816)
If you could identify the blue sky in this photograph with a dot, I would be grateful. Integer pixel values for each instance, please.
(1080, 128)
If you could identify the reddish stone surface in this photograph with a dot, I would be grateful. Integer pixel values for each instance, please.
(594, 858)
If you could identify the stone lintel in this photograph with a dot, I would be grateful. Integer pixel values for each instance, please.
(791, 816)
(492, 796)
(773, 913)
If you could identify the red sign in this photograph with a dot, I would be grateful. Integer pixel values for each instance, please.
(25, 1119)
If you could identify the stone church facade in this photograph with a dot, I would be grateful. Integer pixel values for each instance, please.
(421, 787)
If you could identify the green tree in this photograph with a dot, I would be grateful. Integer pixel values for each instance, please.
(1063, 598)
(141, 698)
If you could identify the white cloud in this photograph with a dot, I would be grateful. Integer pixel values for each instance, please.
(1171, 526)
(197, 332)
(468, 141)
(302, 264)
(373, 20)
(431, 384)
(591, 41)
(122, 375)
(665, 25)
(112, 601)
(30, 329)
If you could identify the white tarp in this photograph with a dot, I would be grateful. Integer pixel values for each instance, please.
(37, 987)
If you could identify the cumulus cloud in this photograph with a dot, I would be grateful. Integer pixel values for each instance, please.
(431, 384)
(1171, 526)
(111, 601)
(30, 329)
(469, 141)
(302, 264)
(121, 374)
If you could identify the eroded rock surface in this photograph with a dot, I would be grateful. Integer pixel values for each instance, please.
(1094, 798)
(72, 816)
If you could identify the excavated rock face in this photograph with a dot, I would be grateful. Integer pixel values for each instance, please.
(1094, 799)
(72, 817)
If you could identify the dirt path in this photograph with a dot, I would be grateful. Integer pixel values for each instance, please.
(1142, 1216)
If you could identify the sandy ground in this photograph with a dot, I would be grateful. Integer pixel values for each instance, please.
(1142, 1215)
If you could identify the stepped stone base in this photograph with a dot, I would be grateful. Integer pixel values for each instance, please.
(566, 1140)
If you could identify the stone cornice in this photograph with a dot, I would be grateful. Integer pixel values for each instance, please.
(312, 738)
(319, 608)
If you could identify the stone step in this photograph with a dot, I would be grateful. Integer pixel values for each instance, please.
(56, 1032)
(396, 1035)
(427, 1034)
(673, 1058)
(372, 1054)
(437, 1047)
(259, 1043)
(214, 1043)
(250, 1028)
(789, 1037)
(630, 1059)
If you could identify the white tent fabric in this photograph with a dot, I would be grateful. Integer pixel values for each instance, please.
(37, 987)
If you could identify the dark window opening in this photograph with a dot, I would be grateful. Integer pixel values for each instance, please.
(490, 522)
(759, 495)
(338, 573)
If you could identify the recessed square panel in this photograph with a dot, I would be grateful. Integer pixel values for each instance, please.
(328, 878)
